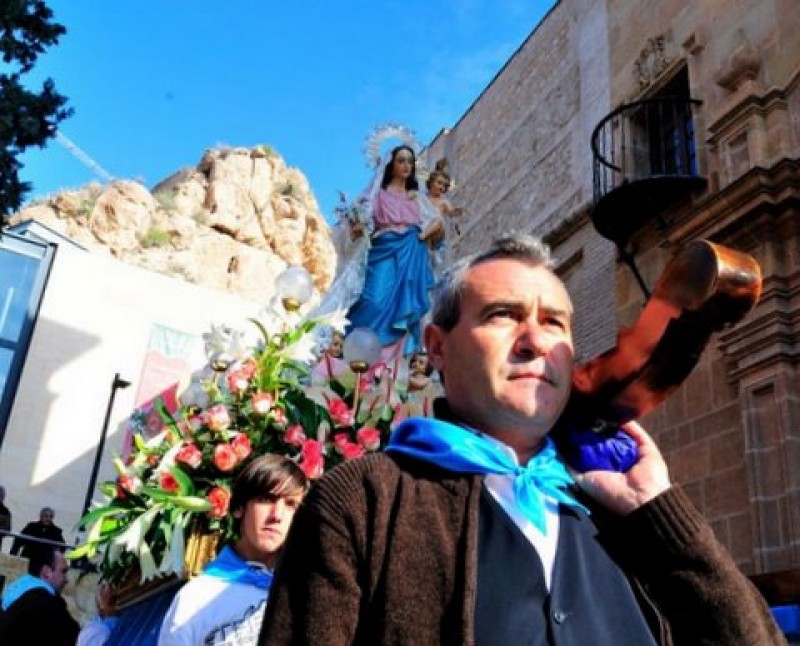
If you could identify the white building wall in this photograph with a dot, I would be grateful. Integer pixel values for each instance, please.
(95, 320)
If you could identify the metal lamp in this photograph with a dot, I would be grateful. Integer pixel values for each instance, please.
(294, 286)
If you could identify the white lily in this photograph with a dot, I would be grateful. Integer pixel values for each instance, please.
(302, 350)
(147, 564)
(336, 319)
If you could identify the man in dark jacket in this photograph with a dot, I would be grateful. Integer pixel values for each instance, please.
(32, 610)
(469, 529)
(43, 528)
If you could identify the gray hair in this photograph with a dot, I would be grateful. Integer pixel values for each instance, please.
(446, 308)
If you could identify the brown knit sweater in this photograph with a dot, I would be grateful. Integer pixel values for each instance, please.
(383, 551)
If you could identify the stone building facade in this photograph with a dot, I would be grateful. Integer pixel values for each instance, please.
(713, 88)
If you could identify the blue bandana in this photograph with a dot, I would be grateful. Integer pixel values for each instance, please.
(463, 451)
(229, 566)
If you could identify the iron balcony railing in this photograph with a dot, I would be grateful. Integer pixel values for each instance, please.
(647, 139)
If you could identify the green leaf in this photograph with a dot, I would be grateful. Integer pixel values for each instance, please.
(100, 512)
(185, 484)
(192, 503)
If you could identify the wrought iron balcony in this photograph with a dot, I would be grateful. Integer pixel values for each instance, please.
(644, 162)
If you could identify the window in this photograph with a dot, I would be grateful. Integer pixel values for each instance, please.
(663, 131)
(24, 265)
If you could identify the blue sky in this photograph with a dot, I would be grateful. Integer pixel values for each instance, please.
(154, 84)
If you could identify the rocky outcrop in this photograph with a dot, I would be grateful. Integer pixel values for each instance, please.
(233, 222)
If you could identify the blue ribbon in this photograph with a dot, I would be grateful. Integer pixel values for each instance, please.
(463, 451)
(229, 566)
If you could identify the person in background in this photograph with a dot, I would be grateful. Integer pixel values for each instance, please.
(32, 610)
(225, 603)
(470, 530)
(43, 528)
(5, 516)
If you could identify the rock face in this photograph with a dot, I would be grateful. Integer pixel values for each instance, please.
(232, 223)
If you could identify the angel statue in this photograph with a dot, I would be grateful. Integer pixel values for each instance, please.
(385, 238)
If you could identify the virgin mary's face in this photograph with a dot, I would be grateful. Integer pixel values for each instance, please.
(403, 164)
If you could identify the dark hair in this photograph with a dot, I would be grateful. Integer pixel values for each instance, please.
(267, 475)
(39, 557)
(411, 182)
(421, 353)
(442, 170)
(446, 308)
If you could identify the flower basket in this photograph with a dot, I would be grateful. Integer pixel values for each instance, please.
(168, 509)
(201, 547)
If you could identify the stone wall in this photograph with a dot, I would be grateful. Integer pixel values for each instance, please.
(521, 161)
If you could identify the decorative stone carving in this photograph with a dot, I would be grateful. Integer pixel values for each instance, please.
(742, 65)
(652, 61)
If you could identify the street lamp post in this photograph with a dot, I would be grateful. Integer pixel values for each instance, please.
(117, 384)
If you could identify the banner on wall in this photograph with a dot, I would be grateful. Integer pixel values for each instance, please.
(171, 355)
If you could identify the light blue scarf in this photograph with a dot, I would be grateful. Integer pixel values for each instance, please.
(229, 566)
(463, 451)
(23, 584)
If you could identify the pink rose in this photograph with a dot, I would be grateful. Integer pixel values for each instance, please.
(261, 403)
(220, 499)
(237, 381)
(248, 368)
(294, 435)
(352, 450)
(190, 454)
(341, 440)
(311, 459)
(225, 457)
(279, 417)
(370, 438)
(128, 483)
(241, 446)
(167, 482)
(217, 417)
(340, 412)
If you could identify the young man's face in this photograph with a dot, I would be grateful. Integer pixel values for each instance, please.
(507, 364)
(263, 526)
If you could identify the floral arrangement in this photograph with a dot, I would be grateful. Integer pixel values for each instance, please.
(249, 400)
(355, 213)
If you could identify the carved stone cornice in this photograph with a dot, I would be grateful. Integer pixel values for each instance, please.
(769, 336)
(760, 191)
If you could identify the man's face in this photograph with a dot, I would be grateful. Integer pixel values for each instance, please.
(264, 525)
(507, 364)
(57, 574)
(46, 517)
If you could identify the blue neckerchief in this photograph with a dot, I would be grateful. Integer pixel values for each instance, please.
(24, 584)
(457, 449)
(229, 566)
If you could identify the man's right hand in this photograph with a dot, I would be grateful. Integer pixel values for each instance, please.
(622, 493)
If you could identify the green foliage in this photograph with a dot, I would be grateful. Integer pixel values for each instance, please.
(155, 237)
(268, 150)
(27, 117)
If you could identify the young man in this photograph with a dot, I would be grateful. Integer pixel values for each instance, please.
(225, 604)
(467, 529)
(33, 610)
